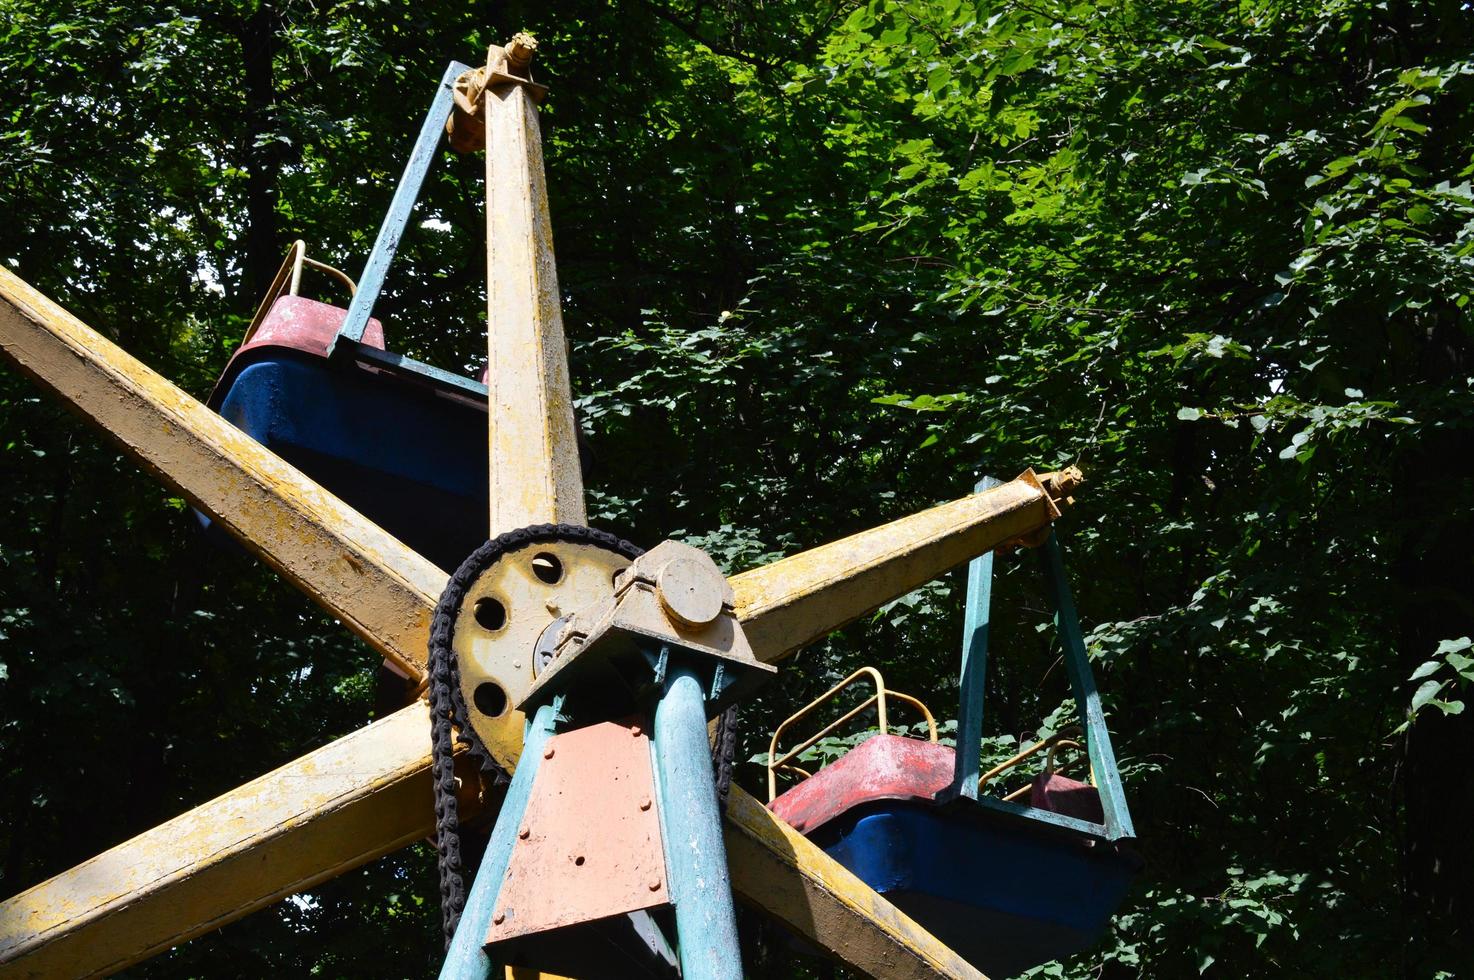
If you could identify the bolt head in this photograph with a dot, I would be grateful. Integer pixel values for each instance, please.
(499, 918)
(644, 804)
(524, 833)
(548, 752)
(655, 885)
(636, 731)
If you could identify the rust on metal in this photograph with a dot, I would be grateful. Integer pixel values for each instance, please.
(509, 64)
(1062, 484)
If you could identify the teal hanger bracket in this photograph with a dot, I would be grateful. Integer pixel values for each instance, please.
(348, 344)
(973, 682)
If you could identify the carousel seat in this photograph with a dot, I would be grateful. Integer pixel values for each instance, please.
(1005, 884)
(406, 450)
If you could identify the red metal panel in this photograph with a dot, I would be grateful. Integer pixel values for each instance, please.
(306, 325)
(589, 845)
(884, 767)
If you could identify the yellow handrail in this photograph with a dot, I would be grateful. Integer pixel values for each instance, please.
(878, 699)
(1053, 743)
(1058, 743)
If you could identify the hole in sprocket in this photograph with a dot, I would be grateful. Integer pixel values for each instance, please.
(490, 699)
(490, 614)
(547, 568)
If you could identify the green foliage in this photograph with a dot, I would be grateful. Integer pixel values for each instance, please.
(821, 265)
(1449, 659)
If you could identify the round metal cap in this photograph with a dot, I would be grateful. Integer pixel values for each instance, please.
(688, 592)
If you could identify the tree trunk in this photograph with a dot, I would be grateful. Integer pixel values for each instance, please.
(262, 150)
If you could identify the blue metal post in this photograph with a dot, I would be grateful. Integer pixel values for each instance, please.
(371, 282)
(973, 680)
(466, 960)
(696, 858)
(1087, 698)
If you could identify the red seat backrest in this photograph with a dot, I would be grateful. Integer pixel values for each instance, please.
(883, 767)
(306, 325)
(1060, 794)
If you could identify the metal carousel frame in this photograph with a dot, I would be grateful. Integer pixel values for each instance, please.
(369, 793)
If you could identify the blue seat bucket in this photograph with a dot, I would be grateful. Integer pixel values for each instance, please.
(1001, 890)
(408, 458)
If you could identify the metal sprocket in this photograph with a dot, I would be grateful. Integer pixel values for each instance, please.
(452, 717)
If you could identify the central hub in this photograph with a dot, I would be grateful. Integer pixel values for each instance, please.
(671, 602)
(501, 632)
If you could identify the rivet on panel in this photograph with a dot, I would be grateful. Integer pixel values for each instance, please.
(644, 804)
(548, 752)
(655, 886)
(524, 833)
(636, 731)
(499, 918)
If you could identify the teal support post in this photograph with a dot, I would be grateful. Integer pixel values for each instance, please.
(1087, 698)
(466, 960)
(691, 825)
(973, 680)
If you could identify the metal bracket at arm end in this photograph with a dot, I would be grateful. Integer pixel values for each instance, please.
(509, 64)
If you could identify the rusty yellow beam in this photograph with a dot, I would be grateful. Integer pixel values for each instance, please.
(379, 588)
(799, 599)
(533, 457)
(778, 870)
(333, 809)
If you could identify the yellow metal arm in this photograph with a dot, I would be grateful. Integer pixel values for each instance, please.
(369, 793)
(533, 452)
(377, 587)
(385, 592)
(793, 602)
(362, 796)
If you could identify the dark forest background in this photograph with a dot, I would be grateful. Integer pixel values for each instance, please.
(822, 263)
